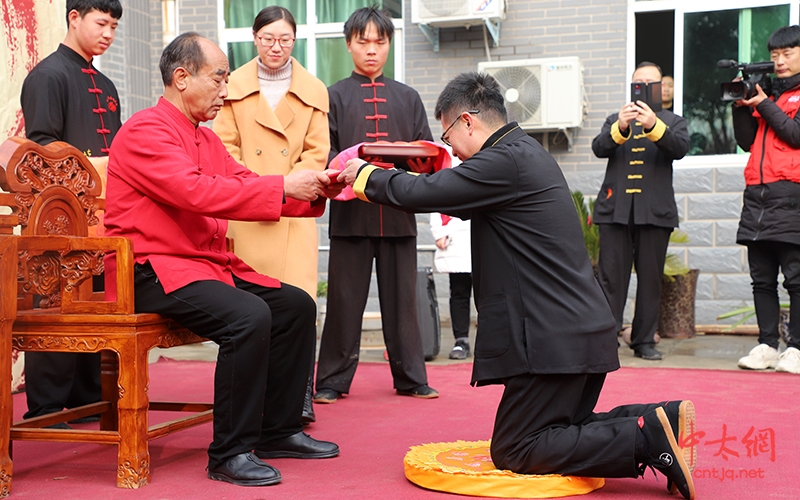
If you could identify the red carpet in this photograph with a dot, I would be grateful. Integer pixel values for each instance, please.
(375, 428)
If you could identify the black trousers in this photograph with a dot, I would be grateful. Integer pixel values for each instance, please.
(766, 258)
(644, 247)
(265, 338)
(546, 424)
(58, 380)
(349, 270)
(460, 291)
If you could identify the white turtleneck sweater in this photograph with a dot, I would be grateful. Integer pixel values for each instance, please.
(274, 83)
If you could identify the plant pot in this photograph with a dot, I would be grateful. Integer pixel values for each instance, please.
(676, 311)
(321, 310)
(783, 325)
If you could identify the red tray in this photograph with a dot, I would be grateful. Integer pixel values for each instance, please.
(394, 153)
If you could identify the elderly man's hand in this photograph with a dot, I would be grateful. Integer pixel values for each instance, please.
(336, 186)
(305, 185)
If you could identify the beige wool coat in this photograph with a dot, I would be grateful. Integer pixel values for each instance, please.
(292, 137)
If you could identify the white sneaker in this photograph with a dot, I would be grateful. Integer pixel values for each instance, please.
(789, 361)
(761, 357)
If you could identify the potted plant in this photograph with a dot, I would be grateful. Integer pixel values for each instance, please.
(749, 312)
(322, 292)
(678, 290)
(676, 311)
(591, 233)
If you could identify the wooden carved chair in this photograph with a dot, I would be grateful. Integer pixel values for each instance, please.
(54, 193)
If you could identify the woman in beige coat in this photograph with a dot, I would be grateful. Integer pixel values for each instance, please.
(275, 120)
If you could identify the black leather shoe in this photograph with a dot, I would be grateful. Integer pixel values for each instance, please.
(308, 406)
(299, 445)
(326, 396)
(664, 454)
(245, 469)
(60, 425)
(423, 391)
(648, 352)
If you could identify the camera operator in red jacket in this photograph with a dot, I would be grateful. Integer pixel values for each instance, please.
(769, 127)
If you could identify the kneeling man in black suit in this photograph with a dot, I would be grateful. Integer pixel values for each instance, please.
(545, 329)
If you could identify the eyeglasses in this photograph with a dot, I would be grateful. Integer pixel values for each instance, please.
(269, 41)
(443, 138)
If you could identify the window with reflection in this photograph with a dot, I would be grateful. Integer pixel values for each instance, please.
(319, 36)
(337, 11)
(739, 34)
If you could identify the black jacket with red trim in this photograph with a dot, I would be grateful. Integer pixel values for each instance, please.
(771, 133)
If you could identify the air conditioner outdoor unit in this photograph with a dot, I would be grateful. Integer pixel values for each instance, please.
(541, 94)
(446, 13)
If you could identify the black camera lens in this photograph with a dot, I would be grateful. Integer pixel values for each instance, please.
(733, 91)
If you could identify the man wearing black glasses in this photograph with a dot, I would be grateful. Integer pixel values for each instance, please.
(545, 329)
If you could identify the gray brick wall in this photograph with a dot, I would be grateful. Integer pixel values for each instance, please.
(709, 202)
(200, 16)
(127, 62)
(193, 15)
(156, 46)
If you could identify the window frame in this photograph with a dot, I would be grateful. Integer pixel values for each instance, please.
(680, 8)
(313, 31)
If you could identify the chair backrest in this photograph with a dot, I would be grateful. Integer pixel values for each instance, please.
(52, 191)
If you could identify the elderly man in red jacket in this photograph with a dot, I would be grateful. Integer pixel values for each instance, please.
(172, 187)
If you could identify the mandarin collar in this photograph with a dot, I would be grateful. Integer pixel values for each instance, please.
(365, 79)
(498, 134)
(177, 117)
(71, 54)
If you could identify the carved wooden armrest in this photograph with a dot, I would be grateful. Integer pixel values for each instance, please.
(68, 261)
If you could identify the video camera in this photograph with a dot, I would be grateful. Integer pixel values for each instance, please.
(752, 74)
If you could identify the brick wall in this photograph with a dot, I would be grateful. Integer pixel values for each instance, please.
(128, 61)
(594, 30)
(132, 60)
(709, 204)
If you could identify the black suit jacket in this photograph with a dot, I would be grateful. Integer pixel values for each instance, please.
(639, 171)
(540, 309)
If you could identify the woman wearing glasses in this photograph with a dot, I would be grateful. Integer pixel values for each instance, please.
(275, 121)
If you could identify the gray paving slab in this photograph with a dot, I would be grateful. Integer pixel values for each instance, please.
(709, 351)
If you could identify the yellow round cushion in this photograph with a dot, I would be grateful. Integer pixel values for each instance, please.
(466, 468)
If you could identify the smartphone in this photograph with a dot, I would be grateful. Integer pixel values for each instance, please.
(649, 93)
